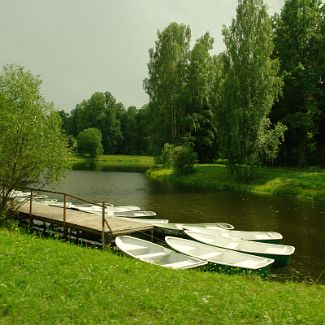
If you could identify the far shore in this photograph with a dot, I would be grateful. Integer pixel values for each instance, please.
(277, 181)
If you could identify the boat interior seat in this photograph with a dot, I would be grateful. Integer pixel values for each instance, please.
(179, 265)
(232, 245)
(209, 255)
(135, 249)
(247, 264)
(150, 255)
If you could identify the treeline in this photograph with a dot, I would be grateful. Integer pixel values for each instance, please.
(123, 131)
(259, 101)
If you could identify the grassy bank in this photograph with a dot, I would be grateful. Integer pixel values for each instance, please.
(113, 162)
(44, 281)
(268, 181)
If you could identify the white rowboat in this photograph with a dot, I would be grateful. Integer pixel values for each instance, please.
(177, 229)
(150, 221)
(267, 236)
(156, 254)
(134, 214)
(280, 253)
(110, 210)
(217, 255)
(210, 225)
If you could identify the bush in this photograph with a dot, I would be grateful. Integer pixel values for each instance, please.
(167, 154)
(90, 142)
(184, 159)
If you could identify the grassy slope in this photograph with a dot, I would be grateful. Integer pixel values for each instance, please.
(49, 282)
(269, 181)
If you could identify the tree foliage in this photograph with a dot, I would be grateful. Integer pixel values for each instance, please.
(201, 129)
(300, 47)
(251, 86)
(220, 105)
(89, 142)
(33, 149)
(123, 131)
(166, 82)
(101, 111)
(184, 159)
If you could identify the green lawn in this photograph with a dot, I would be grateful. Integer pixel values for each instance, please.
(44, 281)
(268, 181)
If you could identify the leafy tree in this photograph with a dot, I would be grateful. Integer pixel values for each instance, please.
(143, 123)
(129, 131)
(67, 125)
(90, 142)
(200, 118)
(101, 111)
(32, 148)
(166, 83)
(300, 47)
(251, 86)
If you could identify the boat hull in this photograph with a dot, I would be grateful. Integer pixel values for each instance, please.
(149, 252)
(279, 253)
(221, 259)
(259, 236)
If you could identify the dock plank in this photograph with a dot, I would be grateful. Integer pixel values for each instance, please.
(83, 220)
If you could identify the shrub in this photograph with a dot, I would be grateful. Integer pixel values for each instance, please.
(184, 159)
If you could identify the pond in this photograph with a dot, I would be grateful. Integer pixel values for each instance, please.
(302, 223)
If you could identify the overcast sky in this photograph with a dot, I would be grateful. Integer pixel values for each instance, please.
(82, 46)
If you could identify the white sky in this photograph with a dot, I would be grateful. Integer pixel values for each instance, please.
(79, 47)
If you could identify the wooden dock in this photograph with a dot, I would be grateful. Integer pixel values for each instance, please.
(106, 229)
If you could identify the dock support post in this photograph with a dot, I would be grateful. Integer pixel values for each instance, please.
(103, 225)
(64, 216)
(30, 209)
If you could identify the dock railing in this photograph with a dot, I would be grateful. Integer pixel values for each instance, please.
(65, 196)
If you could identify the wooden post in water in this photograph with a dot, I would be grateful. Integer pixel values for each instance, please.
(103, 225)
(30, 208)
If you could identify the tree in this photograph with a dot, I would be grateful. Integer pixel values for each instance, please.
(143, 125)
(201, 128)
(166, 83)
(251, 86)
(32, 148)
(300, 47)
(135, 128)
(129, 131)
(101, 111)
(90, 142)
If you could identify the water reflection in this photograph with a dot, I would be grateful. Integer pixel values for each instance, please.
(301, 222)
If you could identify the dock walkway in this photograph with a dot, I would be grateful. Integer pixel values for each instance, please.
(83, 221)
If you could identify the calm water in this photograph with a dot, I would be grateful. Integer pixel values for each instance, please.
(302, 223)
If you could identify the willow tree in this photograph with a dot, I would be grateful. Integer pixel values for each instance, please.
(251, 86)
(32, 148)
(166, 83)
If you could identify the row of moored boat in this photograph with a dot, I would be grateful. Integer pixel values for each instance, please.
(190, 245)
